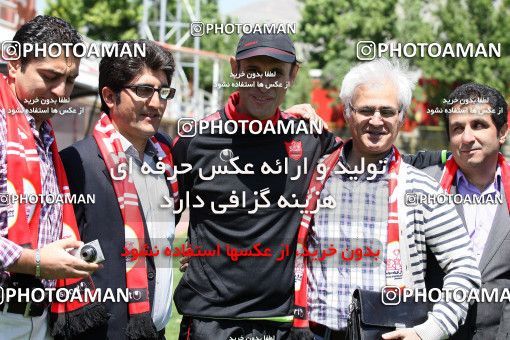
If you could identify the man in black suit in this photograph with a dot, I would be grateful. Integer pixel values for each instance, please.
(134, 93)
(477, 127)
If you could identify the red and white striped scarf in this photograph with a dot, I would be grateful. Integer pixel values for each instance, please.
(394, 273)
(23, 177)
(107, 138)
(451, 167)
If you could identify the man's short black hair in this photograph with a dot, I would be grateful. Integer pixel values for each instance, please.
(117, 72)
(45, 29)
(474, 91)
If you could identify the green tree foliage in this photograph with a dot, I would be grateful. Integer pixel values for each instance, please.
(477, 21)
(300, 91)
(105, 20)
(333, 28)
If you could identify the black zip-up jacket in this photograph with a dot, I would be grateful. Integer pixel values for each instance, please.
(252, 286)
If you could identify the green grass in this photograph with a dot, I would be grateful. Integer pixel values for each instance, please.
(172, 328)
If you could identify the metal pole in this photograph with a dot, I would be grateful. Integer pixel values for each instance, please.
(196, 62)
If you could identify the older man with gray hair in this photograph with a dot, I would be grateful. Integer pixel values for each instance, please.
(372, 212)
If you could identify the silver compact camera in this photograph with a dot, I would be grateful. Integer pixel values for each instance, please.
(89, 252)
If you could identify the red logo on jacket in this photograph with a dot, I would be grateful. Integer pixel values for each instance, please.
(294, 149)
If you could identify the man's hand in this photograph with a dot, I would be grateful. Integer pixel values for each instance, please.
(57, 263)
(184, 261)
(402, 334)
(307, 112)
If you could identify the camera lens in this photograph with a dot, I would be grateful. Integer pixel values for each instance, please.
(88, 253)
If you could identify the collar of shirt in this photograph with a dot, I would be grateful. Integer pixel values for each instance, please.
(343, 159)
(232, 113)
(150, 151)
(42, 136)
(464, 187)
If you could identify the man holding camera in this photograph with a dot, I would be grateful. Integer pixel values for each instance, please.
(33, 240)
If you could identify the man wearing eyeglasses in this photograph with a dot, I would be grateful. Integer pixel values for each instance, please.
(375, 210)
(134, 94)
(477, 127)
(33, 240)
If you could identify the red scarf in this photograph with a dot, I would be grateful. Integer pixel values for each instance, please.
(393, 268)
(140, 323)
(23, 177)
(451, 167)
(232, 113)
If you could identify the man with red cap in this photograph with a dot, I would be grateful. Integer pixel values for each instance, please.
(253, 296)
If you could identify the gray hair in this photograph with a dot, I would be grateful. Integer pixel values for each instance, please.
(375, 72)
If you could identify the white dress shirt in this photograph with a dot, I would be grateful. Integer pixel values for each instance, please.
(161, 226)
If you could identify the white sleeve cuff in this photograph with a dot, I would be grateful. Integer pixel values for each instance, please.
(430, 330)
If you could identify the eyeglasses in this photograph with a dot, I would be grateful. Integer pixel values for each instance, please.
(146, 91)
(369, 111)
